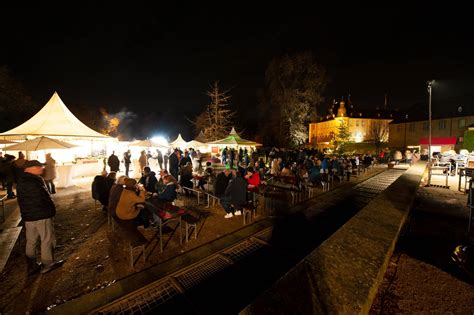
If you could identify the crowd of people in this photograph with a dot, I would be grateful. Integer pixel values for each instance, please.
(11, 169)
(233, 180)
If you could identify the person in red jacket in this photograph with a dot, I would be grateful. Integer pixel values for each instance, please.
(253, 179)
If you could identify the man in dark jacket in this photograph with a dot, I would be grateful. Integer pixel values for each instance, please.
(7, 171)
(235, 196)
(37, 211)
(174, 164)
(127, 160)
(101, 188)
(113, 162)
(148, 180)
(222, 180)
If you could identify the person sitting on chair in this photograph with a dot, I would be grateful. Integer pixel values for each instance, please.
(253, 179)
(222, 181)
(131, 196)
(101, 188)
(235, 196)
(148, 180)
(186, 177)
(207, 176)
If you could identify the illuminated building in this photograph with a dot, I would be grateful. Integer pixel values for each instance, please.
(363, 125)
(451, 118)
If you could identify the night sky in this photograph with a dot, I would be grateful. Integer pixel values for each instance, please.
(158, 62)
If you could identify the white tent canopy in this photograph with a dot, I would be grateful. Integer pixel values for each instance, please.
(179, 142)
(54, 119)
(40, 143)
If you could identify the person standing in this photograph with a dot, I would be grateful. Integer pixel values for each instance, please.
(113, 162)
(143, 161)
(166, 158)
(159, 158)
(18, 166)
(7, 172)
(49, 174)
(174, 164)
(127, 160)
(37, 211)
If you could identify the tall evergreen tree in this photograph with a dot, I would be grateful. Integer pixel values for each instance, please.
(342, 138)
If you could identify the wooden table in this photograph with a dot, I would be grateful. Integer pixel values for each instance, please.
(156, 206)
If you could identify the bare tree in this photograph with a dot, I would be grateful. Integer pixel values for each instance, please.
(378, 134)
(217, 119)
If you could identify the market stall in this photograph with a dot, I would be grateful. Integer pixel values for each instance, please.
(55, 121)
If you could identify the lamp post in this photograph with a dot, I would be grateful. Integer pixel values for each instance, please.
(430, 88)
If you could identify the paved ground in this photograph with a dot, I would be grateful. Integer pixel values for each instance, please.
(421, 277)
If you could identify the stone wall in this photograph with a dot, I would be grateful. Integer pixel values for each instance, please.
(343, 274)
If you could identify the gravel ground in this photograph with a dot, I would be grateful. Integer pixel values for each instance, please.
(421, 278)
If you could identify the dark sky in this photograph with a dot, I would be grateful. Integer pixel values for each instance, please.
(158, 61)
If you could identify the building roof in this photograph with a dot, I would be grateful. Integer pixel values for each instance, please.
(347, 109)
(54, 119)
(459, 106)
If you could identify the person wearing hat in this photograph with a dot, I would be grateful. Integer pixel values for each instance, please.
(37, 211)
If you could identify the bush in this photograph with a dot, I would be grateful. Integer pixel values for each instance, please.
(469, 140)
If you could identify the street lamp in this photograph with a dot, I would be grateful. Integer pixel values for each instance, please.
(430, 88)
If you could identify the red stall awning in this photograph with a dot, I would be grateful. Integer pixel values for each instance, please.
(439, 141)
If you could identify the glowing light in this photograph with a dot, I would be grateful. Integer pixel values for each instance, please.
(159, 140)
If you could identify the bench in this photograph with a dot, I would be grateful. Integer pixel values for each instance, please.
(8, 239)
(2, 199)
(198, 192)
(248, 210)
(214, 200)
(190, 222)
(133, 237)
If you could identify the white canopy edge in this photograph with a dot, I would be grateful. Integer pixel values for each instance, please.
(54, 119)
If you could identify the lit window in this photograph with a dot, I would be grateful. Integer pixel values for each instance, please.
(357, 123)
(363, 123)
(461, 123)
(411, 127)
(442, 124)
